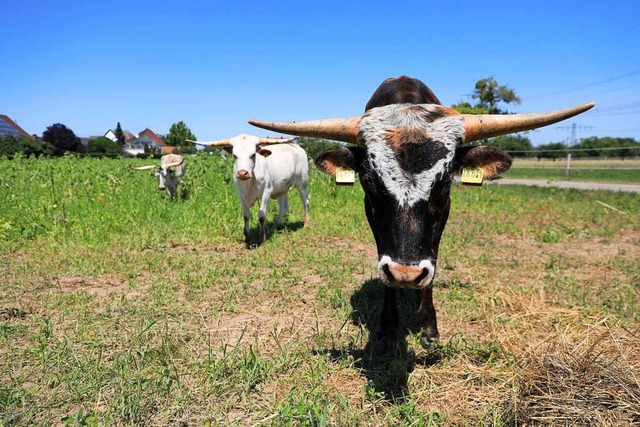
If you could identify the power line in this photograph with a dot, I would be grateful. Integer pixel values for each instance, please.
(618, 107)
(616, 113)
(617, 130)
(588, 85)
(574, 131)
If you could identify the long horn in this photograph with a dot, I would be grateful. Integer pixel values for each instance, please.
(482, 126)
(220, 143)
(276, 140)
(345, 130)
(145, 168)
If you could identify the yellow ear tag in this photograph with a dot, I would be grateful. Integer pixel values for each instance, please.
(472, 176)
(345, 176)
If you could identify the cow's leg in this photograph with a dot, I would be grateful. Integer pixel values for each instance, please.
(389, 320)
(246, 213)
(304, 195)
(262, 214)
(427, 318)
(283, 206)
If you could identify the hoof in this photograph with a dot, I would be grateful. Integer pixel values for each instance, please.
(429, 344)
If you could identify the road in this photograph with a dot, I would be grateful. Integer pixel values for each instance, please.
(612, 186)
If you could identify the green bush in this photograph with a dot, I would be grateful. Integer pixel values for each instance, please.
(103, 147)
(11, 145)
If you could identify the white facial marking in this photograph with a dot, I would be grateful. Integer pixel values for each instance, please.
(375, 127)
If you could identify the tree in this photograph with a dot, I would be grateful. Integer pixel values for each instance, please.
(104, 147)
(488, 94)
(594, 147)
(178, 135)
(552, 150)
(63, 139)
(11, 145)
(119, 135)
(513, 145)
(314, 146)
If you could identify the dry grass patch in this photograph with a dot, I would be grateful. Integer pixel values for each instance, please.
(587, 377)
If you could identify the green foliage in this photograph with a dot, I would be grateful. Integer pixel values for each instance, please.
(512, 144)
(178, 135)
(595, 145)
(104, 147)
(63, 139)
(488, 95)
(315, 146)
(11, 145)
(553, 150)
(120, 140)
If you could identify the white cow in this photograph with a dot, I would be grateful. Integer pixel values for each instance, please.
(171, 169)
(261, 173)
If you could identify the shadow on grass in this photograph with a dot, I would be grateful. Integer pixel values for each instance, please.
(254, 233)
(386, 367)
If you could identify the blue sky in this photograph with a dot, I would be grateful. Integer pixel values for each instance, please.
(214, 65)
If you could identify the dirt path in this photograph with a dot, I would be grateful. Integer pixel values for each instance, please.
(612, 186)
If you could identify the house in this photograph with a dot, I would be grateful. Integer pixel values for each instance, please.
(149, 138)
(135, 144)
(9, 127)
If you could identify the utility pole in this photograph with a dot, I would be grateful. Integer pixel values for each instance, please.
(573, 138)
(573, 141)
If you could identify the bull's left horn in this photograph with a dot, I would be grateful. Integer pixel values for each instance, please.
(482, 126)
(345, 130)
(145, 168)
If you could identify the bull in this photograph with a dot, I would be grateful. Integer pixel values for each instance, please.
(263, 173)
(407, 148)
(169, 173)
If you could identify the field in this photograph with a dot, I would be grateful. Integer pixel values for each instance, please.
(623, 171)
(120, 307)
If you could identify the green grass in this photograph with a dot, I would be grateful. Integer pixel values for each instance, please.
(595, 175)
(120, 307)
(625, 171)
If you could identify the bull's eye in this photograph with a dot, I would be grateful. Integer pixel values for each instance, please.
(253, 156)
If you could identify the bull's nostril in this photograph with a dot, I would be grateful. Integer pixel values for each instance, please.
(387, 272)
(424, 274)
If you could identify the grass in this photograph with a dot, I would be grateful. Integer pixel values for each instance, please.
(120, 307)
(625, 171)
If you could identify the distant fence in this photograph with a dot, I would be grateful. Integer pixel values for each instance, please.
(567, 160)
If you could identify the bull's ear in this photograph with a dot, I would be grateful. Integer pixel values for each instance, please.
(264, 152)
(340, 157)
(492, 160)
(228, 148)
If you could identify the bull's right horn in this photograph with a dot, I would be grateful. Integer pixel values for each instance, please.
(345, 130)
(145, 168)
